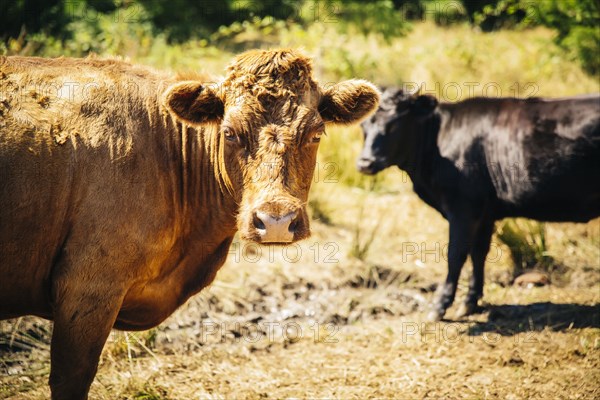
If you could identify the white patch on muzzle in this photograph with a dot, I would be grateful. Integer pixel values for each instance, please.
(276, 230)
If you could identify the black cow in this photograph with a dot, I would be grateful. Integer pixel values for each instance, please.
(483, 159)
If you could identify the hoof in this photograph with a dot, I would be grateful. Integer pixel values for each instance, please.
(467, 309)
(435, 315)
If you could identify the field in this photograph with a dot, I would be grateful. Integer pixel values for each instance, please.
(341, 314)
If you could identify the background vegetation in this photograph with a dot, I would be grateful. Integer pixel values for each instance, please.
(81, 26)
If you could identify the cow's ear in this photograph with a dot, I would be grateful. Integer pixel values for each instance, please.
(194, 103)
(348, 102)
(424, 104)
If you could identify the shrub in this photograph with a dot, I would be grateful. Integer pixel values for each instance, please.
(527, 243)
(575, 21)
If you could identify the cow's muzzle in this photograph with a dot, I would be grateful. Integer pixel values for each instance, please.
(275, 228)
(278, 224)
(369, 166)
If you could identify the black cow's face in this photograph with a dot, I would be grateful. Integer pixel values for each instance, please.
(381, 132)
(389, 132)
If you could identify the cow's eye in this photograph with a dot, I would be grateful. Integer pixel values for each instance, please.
(317, 136)
(233, 137)
(230, 134)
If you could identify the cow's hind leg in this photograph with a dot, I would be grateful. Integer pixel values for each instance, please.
(84, 313)
(479, 251)
(458, 249)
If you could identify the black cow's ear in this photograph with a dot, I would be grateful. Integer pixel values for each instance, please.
(424, 104)
(194, 103)
(348, 102)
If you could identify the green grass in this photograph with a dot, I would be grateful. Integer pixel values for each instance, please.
(527, 243)
(362, 239)
(519, 62)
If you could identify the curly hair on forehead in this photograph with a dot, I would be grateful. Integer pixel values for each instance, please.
(268, 62)
(285, 72)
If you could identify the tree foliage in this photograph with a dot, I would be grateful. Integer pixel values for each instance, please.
(575, 21)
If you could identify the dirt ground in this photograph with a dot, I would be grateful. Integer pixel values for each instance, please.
(339, 316)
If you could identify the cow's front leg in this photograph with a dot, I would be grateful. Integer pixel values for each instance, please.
(479, 251)
(84, 313)
(458, 249)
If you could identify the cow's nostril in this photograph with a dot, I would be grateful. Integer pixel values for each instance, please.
(258, 223)
(294, 225)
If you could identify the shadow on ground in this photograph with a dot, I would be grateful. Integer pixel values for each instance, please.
(509, 320)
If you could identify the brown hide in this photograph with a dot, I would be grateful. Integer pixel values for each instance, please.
(122, 187)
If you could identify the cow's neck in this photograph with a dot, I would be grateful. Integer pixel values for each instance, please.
(418, 152)
(185, 255)
(205, 216)
(204, 204)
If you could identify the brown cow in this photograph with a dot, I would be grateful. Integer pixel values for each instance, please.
(123, 187)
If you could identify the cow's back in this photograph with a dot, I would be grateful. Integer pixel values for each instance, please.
(539, 157)
(563, 149)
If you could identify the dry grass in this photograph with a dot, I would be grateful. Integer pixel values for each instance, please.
(372, 341)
